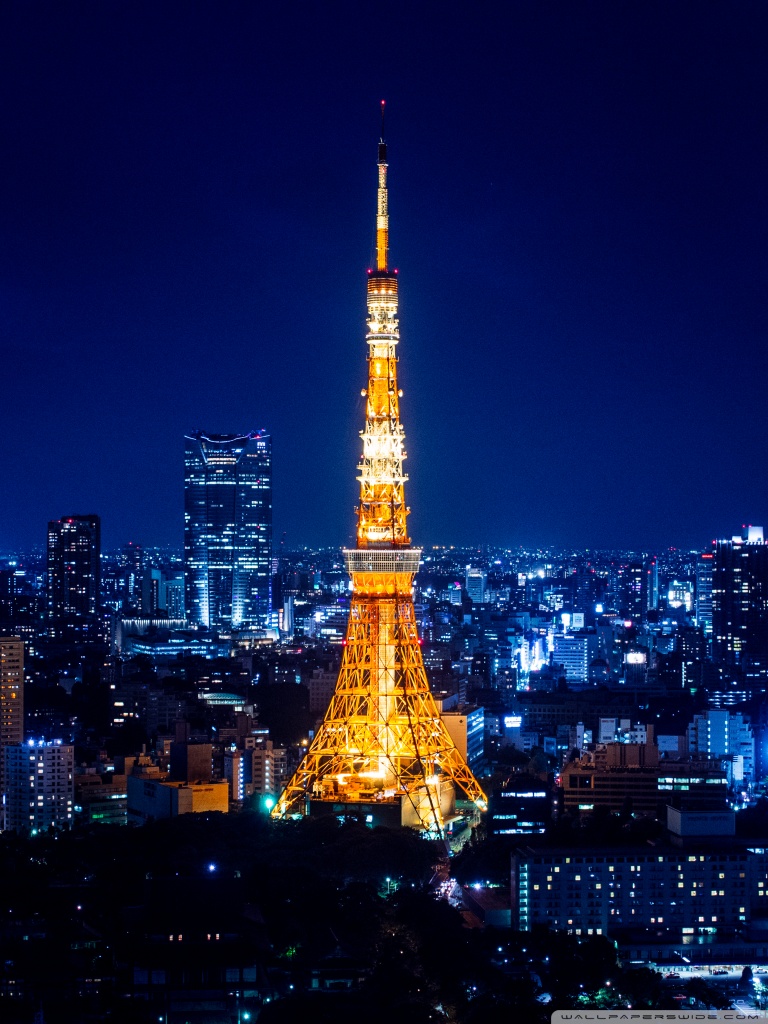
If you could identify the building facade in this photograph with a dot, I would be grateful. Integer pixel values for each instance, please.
(11, 701)
(704, 566)
(699, 889)
(74, 577)
(575, 652)
(521, 805)
(632, 777)
(150, 799)
(740, 600)
(476, 582)
(39, 780)
(466, 727)
(228, 529)
(266, 770)
(722, 733)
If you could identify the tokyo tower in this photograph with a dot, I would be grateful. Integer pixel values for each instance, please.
(382, 750)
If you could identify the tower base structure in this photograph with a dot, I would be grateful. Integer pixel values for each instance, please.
(397, 812)
(382, 750)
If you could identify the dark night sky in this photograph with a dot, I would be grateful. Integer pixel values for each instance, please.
(578, 215)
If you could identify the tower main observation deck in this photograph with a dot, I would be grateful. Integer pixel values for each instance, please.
(382, 749)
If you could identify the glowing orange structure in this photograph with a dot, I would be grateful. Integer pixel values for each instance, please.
(382, 749)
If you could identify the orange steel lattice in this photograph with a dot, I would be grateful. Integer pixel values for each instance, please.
(382, 740)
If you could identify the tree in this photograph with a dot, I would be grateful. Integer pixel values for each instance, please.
(642, 987)
(706, 994)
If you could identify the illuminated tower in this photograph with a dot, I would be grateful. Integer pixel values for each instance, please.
(382, 750)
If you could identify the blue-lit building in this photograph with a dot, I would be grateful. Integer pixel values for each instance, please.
(227, 529)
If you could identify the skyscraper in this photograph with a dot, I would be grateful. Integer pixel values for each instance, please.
(383, 750)
(74, 577)
(704, 566)
(228, 529)
(632, 595)
(740, 600)
(475, 581)
(11, 701)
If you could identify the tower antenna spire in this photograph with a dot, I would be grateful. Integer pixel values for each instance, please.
(382, 203)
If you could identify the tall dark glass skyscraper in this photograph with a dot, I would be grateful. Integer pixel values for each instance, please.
(74, 577)
(740, 600)
(227, 529)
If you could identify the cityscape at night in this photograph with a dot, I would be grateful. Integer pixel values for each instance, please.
(349, 675)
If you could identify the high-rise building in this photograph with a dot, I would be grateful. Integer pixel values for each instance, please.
(11, 700)
(704, 565)
(382, 751)
(740, 600)
(575, 652)
(174, 597)
(651, 569)
(39, 780)
(633, 601)
(475, 581)
(74, 577)
(11, 690)
(228, 529)
(266, 768)
(132, 561)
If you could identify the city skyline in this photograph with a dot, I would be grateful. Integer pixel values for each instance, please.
(579, 208)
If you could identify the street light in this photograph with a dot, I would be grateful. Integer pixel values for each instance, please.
(241, 1013)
